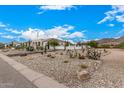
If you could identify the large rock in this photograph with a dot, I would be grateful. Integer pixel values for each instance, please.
(83, 75)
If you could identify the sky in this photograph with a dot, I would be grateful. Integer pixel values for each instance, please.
(66, 22)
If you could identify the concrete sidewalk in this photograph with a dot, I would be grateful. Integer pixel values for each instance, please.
(10, 78)
(14, 74)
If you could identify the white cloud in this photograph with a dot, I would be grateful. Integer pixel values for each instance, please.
(76, 35)
(2, 25)
(56, 7)
(111, 25)
(13, 30)
(71, 41)
(59, 32)
(39, 13)
(96, 39)
(119, 8)
(33, 34)
(44, 8)
(120, 18)
(86, 40)
(117, 13)
(8, 37)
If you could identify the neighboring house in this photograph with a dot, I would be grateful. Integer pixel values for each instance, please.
(14, 43)
(42, 42)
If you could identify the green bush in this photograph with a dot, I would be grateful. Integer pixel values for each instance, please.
(93, 44)
(30, 48)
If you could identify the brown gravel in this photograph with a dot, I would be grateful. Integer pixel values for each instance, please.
(111, 73)
(57, 68)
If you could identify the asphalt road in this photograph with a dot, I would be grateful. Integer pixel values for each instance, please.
(10, 78)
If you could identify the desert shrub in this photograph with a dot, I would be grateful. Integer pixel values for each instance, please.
(66, 61)
(82, 66)
(81, 56)
(30, 48)
(52, 56)
(61, 53)
(105, 51)
(93, 54)
(41, 53)
(56, 52)
(72, 54)
(49, 55)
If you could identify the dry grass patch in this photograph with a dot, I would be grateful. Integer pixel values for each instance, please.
(83, 66)
(66, 61)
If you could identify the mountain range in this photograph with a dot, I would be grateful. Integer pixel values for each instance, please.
(109, 40)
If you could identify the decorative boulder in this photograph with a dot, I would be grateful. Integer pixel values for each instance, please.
(83, 75)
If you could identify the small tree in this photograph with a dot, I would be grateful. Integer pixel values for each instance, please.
(53, 43)
(93, 44)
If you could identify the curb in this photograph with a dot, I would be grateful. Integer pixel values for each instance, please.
(38, 79)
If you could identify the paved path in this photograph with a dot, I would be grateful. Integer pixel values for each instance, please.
(10, 78)
(111, 73)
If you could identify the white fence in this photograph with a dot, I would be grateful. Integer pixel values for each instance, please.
(68, 47)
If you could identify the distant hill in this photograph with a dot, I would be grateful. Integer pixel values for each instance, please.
(110, 40)
(106, 40)
(121, 39)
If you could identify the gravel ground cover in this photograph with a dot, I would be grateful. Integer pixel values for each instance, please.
(64, 69)
(111, 72)
(59, 67)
